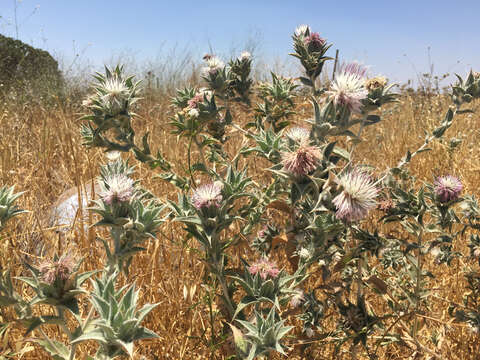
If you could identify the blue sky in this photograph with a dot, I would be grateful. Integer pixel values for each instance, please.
(392, 37)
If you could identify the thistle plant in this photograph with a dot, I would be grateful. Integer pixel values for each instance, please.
(310, 251)
(126, 209)
(8, 209)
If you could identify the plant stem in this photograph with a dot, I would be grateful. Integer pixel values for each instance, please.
(419, 282)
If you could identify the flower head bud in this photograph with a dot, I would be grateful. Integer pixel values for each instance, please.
(301, 30)
(264, 268)
(117, 188)
(357, 197)
(447, 188)
(376, 83)
(314, 42)
(208, 196)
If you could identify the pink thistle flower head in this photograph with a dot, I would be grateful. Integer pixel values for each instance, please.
(117, 188)
(447, 188)
(354, 68)
(357, 197)
(208, 196)
(348, 89)
(315, 42)
(50, 271)
(264, 268)
(302, 161)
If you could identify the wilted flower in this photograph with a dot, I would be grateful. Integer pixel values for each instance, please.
(297, 298)
(265, 268)
(299, 135)
(57, 270)
(447, 188)
(375, 83)
(348, 90)
(315, 42)
(245, 55)
(357, 197)
(302, 161)
(207, 196)
(117, 187)
(301, 30)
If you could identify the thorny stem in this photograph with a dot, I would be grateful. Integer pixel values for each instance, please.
(67, 331)
(419, 281)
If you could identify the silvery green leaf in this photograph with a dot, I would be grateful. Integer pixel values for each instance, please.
(56, 349)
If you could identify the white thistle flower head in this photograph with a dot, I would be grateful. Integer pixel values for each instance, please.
(244, 56)
(299, 135)
(207, 196)
(116, 93)
(301, 30)
(113, 155)
(357, 197)
(115, 87)
(117, 188)
(348, 90)
(193, 113)
(214, 64)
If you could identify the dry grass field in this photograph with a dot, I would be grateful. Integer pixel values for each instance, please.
(41, 152)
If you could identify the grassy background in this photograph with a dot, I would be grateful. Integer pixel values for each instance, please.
(41, 152)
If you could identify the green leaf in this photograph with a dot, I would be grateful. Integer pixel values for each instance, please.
(58, 350)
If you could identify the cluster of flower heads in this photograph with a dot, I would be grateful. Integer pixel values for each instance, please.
(50, 271)
(358, 195)
(117, 188)
(208, 195)
(264, 268)
(447, 188)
